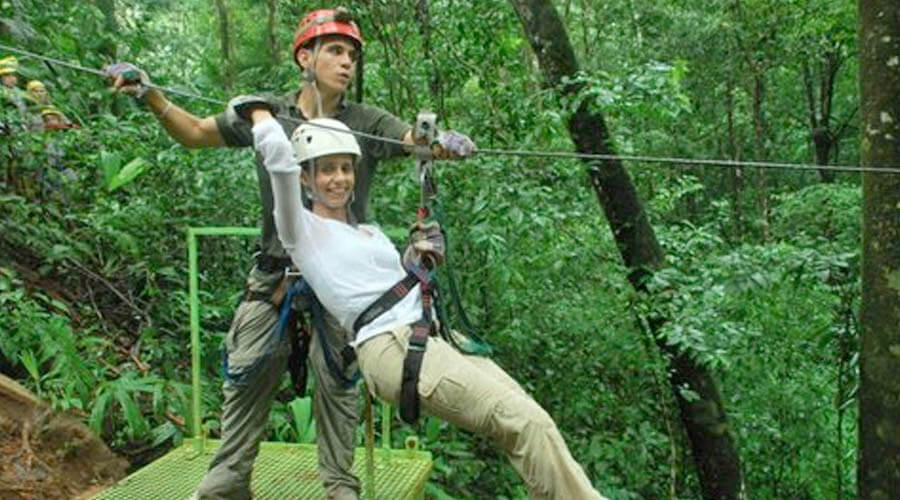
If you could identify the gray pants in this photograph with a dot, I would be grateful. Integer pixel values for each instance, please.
(247, 405)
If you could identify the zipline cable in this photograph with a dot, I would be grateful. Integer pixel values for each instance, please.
(190, 95)
(512, 152)
(687, 161)
(104, 75)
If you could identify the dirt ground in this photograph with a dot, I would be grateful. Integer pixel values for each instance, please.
(47, 456)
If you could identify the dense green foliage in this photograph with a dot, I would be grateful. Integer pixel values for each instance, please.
(761, 282)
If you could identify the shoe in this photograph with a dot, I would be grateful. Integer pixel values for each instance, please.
(342, 493)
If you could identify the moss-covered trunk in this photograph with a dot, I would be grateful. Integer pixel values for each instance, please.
(879, 393)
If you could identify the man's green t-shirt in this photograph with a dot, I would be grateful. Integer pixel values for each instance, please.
(236, 132)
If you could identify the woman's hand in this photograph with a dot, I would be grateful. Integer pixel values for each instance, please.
(252, 108)
(259, 114)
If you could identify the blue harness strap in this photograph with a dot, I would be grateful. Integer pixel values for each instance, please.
(299, 288)
(243, 376)
(318, 319)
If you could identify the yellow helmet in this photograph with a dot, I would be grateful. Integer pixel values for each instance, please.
(51, 110)
(9, 65)
(34, 84)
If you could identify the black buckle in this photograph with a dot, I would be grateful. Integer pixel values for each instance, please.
(270, 263)
(348, 355)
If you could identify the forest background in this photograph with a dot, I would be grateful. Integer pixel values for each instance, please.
(760, 283)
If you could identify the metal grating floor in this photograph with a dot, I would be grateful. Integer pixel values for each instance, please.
(282, 471)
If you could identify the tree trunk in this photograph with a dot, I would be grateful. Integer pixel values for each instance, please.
(423, 15)
(225, 40)
(878, 475)
(704, 418)
(18, 10)
(819, 109)
(271, 39)
(760, 134)
(109, 48)
(736, 174)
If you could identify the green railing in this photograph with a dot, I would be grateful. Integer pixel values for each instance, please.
(194, 301)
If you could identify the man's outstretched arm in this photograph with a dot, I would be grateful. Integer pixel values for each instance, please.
(188, 129)
(185, 127)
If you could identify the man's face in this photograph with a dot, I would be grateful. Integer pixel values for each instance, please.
(52, 120)
(10, 80)
(40, 94)
(335, 64)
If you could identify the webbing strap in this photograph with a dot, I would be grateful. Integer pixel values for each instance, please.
(384, 303)
(252, 296)
(412, 365)
(243, 377)
(319, 326)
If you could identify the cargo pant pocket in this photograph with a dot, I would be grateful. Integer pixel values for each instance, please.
(250, 341)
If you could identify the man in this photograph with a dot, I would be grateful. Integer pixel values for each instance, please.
(37, 93)
(38, 99)
(13, 119)
(12, 99)
(54, 119)
(326, 47)
(9, 72)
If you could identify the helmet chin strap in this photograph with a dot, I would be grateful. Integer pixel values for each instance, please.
(309, 74)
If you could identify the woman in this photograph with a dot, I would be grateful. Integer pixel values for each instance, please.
(349, 267)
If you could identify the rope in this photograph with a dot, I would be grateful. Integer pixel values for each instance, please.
(887, 169)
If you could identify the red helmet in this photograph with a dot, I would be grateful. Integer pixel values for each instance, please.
(326, 22)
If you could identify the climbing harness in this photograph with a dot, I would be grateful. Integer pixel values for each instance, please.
(337, 368)
(422, 273)
(291, 292)
(282, 299)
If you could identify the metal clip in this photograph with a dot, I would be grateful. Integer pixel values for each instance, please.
(425, 134)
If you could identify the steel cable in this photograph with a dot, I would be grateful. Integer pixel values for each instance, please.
(888, 169)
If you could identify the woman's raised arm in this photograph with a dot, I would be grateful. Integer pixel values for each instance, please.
(278, 155)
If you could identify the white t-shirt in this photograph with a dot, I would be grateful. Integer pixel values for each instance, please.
(347, 267)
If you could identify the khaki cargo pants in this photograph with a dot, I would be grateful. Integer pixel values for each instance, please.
(475, 394)
(246, 406)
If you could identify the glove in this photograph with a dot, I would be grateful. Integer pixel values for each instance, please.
(129, 79)
(426, 244)
(242, 105)
(455, 144)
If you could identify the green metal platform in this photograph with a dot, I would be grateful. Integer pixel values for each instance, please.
(282, 471)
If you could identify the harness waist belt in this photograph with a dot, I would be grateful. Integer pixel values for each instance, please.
(251, 296)
(270, 263)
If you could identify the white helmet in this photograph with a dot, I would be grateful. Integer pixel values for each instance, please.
(322, 137)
